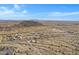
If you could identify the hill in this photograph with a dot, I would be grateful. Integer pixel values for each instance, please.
(28, 24)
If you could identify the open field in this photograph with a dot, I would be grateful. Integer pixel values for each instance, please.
(39, 38)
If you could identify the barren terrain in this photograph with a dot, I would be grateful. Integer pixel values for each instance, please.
(39, 38)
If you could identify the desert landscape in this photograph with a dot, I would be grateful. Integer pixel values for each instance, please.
(39, 38)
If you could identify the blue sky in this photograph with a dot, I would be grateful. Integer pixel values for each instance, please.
(39, 11)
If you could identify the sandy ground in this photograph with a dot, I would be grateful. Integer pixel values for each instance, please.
(50, 39)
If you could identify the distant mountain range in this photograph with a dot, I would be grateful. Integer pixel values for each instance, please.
(36, 20)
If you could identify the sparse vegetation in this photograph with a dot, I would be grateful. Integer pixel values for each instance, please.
(39, 38)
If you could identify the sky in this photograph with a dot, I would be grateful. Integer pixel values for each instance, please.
(69, 12)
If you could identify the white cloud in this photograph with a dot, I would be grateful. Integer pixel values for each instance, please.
(24, 11)
(16, 6)
(7, 11)
(63, 13)
(4, 10)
